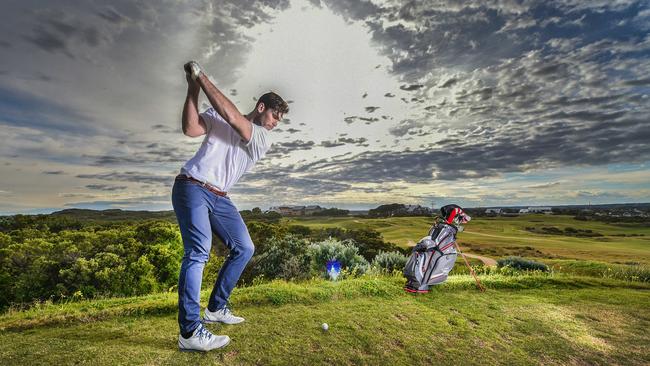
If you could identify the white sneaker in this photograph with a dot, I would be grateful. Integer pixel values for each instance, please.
(202, 340)
(222, 315)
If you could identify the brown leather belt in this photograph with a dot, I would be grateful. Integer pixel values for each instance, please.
(207, 186)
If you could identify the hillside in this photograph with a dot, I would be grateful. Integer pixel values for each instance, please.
(113, 215)
(525, 319)
(624, 243)
(590, 309)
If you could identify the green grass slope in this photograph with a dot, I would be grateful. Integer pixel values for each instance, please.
(526, 319)
(503, 236)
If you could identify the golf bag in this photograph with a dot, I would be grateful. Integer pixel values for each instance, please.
(434, 256)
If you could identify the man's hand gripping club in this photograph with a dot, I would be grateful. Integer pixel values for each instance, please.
(220, 102)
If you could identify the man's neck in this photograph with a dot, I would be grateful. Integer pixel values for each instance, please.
(251, 118)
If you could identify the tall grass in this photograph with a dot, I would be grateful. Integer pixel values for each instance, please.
(624, 272)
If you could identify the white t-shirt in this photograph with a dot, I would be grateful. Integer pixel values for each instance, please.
(224, 156)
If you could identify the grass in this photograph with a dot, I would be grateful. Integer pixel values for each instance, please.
(592, 308)
(601, 269)
(527, 319)
(507, 236)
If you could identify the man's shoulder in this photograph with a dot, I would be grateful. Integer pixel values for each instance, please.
(218, 124)
(211, 112)
(262, 134)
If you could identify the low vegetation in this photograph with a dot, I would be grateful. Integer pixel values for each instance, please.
(568, 231)
(58, 258)
(82, 291)
(522, 264)
(523, 318)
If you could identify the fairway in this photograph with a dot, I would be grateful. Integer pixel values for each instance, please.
(503, 236)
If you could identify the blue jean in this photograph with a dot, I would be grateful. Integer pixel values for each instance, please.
(200, 213)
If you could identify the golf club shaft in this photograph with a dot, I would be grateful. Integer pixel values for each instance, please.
(471, 270)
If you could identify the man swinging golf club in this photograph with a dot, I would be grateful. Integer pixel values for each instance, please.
(233, 143)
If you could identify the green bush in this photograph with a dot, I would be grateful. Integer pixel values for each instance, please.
(345, 252)
(124, 259)
(522, 264)
(284, 258)
(390, 261)
(210, 271)
(369, 241)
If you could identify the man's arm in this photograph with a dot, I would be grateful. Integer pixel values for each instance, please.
(226, 108)
(193, 124)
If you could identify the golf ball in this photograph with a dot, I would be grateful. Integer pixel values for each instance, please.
(325, 326)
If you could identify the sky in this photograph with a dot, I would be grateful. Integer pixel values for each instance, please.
(479, 103)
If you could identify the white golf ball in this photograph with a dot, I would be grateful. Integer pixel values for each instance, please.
(325, 326)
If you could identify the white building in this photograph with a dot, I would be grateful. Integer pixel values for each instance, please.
(545, 210)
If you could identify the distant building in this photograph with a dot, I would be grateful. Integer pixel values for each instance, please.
(545, 210)
(493, 211)
(524, 211)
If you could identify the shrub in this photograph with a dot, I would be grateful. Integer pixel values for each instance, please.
(300, 230)
(108, 260)
(368, 241)
(210, 271)
(389, 261)
(345, 252)
(284, 258)
(522, 264)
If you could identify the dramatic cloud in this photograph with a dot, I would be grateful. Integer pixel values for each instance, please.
(105, 187)
(135, 177)
(395, 98)
(279, 149)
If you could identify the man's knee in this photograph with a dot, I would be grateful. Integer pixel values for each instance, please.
(249, 250)
(245, 250)
(196, 256)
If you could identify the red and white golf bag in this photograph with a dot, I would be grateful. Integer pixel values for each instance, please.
(434, 256)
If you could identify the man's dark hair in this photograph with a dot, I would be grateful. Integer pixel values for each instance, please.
(273, 101)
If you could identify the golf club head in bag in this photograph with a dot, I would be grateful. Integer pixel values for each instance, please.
(434, 256)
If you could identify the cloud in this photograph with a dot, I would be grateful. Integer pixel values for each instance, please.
(130, 176)
(283, 148)
(411, 87)
(105, 187)
(637, 82)
(160, 202)
(19, 108)
(359, 141)
(543, 185)
(368, 120)
(404, 127)
(332, 143)
(478, 90)
(110, 14)
(449, 83)
(341, 141)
